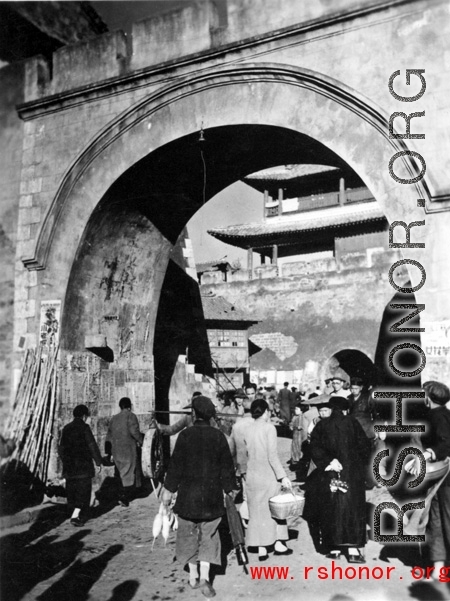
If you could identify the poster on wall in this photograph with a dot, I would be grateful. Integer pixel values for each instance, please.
(49, 324)
(253, 194)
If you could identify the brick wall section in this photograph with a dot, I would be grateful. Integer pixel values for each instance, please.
(324, 312)
(173, 35)
(11, 93)
(387, 33)
(54, 141)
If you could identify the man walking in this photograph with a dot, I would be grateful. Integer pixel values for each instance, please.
(77, 449)
(121, 441)
(285, 397)
(201, 470)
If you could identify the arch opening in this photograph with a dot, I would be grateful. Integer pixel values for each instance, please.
(122, 263)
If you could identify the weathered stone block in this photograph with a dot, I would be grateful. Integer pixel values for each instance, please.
(25, 201)
(25, 309)
(30, 215)
(29, 142)
(31, 186)
(37, 77)
(172, 35)
(23, 232)
(89, 62)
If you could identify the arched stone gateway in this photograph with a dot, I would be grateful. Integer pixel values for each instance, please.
(107, 235)
(280, 96)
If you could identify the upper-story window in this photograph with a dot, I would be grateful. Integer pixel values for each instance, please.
(227, 338)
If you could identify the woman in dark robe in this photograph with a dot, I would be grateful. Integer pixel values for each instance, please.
(335, 491)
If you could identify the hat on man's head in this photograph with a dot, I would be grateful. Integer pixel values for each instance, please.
(320, 406)
(240, 394)
(341, 375)
(203, 407)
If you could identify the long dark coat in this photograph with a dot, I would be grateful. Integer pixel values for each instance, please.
(285, 398)
(363, 410)
(340, 516)
(201, 469)
(78, 449)
(124, 436)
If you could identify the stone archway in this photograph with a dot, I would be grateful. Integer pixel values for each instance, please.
(277, 95)
(317, 111)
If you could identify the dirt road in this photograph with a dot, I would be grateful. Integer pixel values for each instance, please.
(111, 559)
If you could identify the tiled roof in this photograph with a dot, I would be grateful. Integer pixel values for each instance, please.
(288, 172)
(219, 309)
(333, 217)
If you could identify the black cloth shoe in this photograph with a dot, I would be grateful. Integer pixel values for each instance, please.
(333, 555)
(124, 503)
(287, 551)
(77, 522)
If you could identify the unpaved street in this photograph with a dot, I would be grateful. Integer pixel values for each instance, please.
(111, 559)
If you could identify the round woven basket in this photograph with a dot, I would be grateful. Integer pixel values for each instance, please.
(287, 505)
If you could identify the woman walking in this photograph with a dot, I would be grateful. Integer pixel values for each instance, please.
(335, 491)
(265, 476)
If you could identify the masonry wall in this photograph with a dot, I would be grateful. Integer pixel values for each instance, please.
(403, 35)
(11, 139)
(90, 89)
(307, 318)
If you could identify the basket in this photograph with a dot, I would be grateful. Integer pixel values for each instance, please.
(287, 505)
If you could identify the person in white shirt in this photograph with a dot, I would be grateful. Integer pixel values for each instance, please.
(337, 383)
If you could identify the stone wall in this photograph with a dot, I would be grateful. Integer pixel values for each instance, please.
(11, 140)
(97, 114)
(307, 318)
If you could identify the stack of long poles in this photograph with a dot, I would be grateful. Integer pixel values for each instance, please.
(31, 421)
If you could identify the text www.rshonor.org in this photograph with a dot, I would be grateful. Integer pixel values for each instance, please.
(348, 573)
(334, 572)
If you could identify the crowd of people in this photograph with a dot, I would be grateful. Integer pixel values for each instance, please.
(228, 446)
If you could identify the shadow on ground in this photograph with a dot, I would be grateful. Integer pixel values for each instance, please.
(24, 565)
(79, 578)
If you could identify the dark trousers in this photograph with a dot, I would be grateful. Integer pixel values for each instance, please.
(438, 528)
(79, 494)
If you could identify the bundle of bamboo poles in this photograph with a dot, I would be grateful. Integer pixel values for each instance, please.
(31, 420)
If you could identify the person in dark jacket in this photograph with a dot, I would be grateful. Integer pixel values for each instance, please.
(436, 443)
(78, 450)
(286, 399)
(200, 471)
(335, 491)
(363, 409)
(362, 406)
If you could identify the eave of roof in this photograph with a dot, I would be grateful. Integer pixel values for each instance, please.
(289, 172)
(333, 217)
